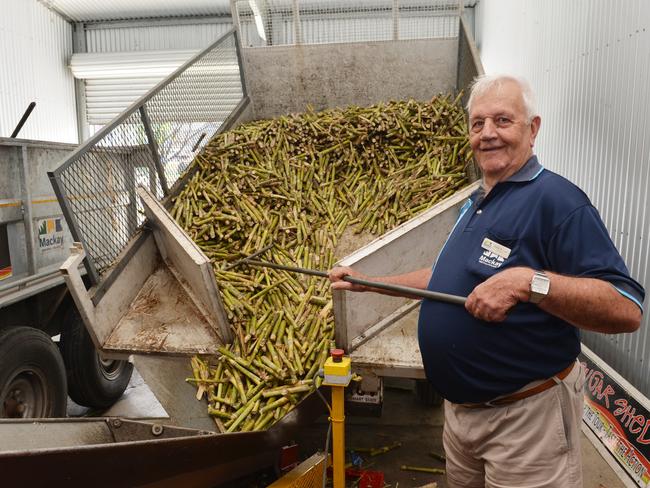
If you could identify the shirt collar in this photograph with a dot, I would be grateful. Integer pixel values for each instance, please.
(528, 172)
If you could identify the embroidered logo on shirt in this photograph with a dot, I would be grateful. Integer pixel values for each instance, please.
(491, 259)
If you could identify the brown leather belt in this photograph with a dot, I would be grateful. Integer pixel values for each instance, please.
(520, 395)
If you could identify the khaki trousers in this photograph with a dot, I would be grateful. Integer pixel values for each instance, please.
(534, 442)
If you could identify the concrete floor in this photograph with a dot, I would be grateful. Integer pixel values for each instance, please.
(138, 401)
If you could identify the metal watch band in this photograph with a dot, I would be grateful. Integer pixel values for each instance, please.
(535, 295)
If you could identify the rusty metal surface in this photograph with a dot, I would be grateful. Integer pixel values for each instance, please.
(163, 319)
(188, 458)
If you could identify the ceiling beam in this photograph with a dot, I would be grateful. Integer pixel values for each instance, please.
(49, 4)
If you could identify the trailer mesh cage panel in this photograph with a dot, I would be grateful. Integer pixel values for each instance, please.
(100, 188)
(150, 144)
(291, 22)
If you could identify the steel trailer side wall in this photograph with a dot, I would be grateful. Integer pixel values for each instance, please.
(589, 62)
(285, 79)
(26, 194)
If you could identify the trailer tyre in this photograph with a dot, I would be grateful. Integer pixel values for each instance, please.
(427, 394)
(92, 381)
(32, 375)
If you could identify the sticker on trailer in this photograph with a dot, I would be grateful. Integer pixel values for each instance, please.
(50, 234)
(5, 258)
(5, 273)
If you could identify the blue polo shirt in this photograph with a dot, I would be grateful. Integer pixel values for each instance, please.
(536, 219)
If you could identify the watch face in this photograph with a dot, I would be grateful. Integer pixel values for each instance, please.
(540, 284)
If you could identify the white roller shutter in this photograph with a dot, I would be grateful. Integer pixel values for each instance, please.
(133, 64)
(106, 98)
(113, 81)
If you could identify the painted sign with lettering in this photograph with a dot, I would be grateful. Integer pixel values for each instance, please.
(620, 421)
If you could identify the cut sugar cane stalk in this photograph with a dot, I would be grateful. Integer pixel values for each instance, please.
(304, 183)
(422, 469)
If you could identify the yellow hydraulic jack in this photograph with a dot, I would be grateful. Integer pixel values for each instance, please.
(338, 373)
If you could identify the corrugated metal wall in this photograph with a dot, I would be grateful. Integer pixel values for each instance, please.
(157, 35)
(288, 22)
(589, 61)
(35, 44)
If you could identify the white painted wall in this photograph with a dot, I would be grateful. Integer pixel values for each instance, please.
(589, 61)
(35, 45)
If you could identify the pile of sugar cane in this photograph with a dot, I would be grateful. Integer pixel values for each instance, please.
(300, 182)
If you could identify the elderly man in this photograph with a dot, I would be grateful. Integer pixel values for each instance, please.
(537, 264)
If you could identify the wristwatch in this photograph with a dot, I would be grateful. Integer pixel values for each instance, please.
(540, 285)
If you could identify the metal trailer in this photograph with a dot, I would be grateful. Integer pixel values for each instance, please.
(34, 302)
(137, 270)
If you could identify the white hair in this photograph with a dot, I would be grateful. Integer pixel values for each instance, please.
(485, 83)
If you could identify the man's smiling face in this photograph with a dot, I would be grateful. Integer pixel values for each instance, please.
(501, 135)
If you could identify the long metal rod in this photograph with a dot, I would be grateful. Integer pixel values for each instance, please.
(406, 290)
(23, 119)
(254, 255)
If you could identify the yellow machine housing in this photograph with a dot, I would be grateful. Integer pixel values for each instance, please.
(338, 373)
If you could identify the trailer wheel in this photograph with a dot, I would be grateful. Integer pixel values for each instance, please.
(93, 381)
(32, 375)
(427, 394)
